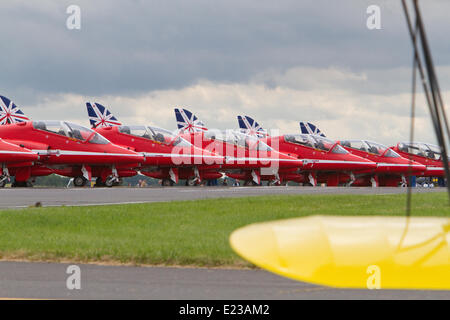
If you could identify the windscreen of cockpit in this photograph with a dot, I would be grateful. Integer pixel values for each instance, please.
(167, 137)
(70, 130)
(421, 150)
(338, 149)
(57, 127)
(381, 150)
(391, 154)
(238, 139)
(355, 144)
(312, 141)
(85, 134)
(376, 148)
(250, 142)
(154, 134)
(433, 152)
(371, 147)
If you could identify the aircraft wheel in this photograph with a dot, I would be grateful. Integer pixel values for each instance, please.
(79, 181)
(191, 182)
(249, 183)
(99, 183)
(109, 182)
(22, 184)
(167, 183)
(118, 183)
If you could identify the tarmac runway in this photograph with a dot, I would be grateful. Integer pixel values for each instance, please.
(48, 281)
(20, 198)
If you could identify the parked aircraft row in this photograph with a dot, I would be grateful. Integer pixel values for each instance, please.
(111, 150)
(393, 162)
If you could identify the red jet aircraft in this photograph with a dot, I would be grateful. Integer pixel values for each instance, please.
(12, 159)
(392, 169)
(325, 161)
(424, 153)
(247, 158)
(70, 150)
(168, 157)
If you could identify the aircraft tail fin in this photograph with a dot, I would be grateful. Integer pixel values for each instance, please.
(309, 128)
(250, 126)
(187, 121)
(99, 116)
(10, 112)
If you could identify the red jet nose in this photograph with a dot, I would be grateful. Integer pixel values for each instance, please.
(434, 171)
(418, 169)
(357, 163)
(286, 161)
(341, 162)
(13, 153)
(271, 159)
(194, 156)
(123, 155)
(210, 158)
(369, 165)
(204, 157)
(401, 166)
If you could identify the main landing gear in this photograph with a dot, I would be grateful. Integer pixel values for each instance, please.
(3, 180)
(80, 181)
(191, 182)
(167, 183)
(277, 183)
(22, 184)
(110, 181)
(4, 177)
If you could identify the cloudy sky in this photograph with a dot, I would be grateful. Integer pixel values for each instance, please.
(278, 61)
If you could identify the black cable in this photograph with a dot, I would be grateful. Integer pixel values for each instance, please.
(431, 87)
(419, 62)
(416, 61)
(411, 130)
(436, 95)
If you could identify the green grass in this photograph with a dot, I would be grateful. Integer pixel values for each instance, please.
(176, 233)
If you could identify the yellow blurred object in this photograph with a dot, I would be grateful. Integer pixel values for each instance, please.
(352, 252)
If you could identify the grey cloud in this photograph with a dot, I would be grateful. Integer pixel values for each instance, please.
(138, 46)
(279, 61)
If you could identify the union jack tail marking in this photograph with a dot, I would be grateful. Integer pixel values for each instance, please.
(10, 113)
(99, 116)
(251, 127)
(309, 128)
(187, 121)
